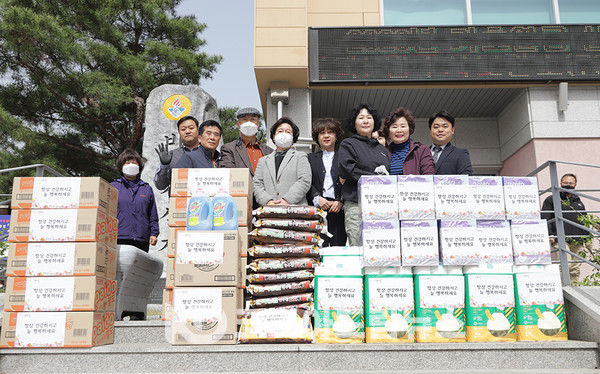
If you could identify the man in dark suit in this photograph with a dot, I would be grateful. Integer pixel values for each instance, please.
(449, 160)
(326, 189)
(245, 151)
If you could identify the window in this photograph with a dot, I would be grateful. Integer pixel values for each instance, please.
(512, 12)
(579, 11)
(424, 12)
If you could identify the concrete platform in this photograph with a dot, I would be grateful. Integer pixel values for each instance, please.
(162, 357)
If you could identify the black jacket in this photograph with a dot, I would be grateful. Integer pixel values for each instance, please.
(318, 176)
(453, 161)
(359, 156)
(202, 158)
(570, 206)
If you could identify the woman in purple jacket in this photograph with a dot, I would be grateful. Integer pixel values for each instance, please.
(136, 212)
(406, 156)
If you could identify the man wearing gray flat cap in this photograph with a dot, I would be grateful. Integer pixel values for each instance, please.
(245, 151)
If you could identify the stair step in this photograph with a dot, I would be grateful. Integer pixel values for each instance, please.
(163, 357)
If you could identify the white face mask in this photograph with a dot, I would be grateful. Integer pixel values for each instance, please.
(131, 170)
(284, 140)
(249, 128)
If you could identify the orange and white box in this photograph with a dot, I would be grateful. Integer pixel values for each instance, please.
(170, 277)
(209, 181)
(57, 329)
(50, 294)
(172, 240)
(178, 211)
(167, 305)
(61, 259)
(64, 193)
(63, 225)
(204, 315)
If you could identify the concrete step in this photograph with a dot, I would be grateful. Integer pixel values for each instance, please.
(163, 357)
(152, 331)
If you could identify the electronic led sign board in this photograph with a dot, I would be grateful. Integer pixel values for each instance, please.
(465, 53)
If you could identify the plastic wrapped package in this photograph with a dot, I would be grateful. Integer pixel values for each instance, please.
(381, 243)
(274, 289)
(284, 250)
(539, 300)
(290, 224)
(419, 241)
(264, 265)
(521, 198)
(439, 304)
(487, 196)
(490, 303)
(459, 243)
(276, 325)
(495, 242)
(415, 197)
(378, 197)
(284, 276)
(276, 301)
(452, 197)
(530, 242)
(277, 236)
(290, 211)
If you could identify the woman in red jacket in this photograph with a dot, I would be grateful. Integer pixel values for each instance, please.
(406, 156)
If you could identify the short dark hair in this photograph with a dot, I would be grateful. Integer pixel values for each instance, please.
(569, 175)
(181, 120)
(209, 123)
(289, 121)
(126, 155)
(322, 124)
(396, 115)
(442, 114)
(350, 122)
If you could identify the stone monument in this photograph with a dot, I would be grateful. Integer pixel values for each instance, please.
(165, 105)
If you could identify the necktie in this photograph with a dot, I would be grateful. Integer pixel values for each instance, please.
(437, 151)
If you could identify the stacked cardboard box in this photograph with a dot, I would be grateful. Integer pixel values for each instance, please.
(61, 287)
(206, 270)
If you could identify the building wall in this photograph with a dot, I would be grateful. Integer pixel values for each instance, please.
(281, 35)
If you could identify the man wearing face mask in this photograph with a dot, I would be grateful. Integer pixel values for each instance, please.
(245, 151)
(571, 207)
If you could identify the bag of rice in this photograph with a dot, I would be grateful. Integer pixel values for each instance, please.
(276, 325)
(284, 250)
(261, 265)
(276, 301)
(262, 290)
(289, 211)
(290, 224)
(284, 276)
(277, 236)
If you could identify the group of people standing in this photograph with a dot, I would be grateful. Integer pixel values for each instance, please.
(285, 176)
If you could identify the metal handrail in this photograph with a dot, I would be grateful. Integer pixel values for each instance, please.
(560, 221)
(39, 170)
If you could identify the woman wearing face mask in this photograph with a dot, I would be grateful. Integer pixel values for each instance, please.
(283, 177)
(359, 155)
(407, 157)
(136, 211)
